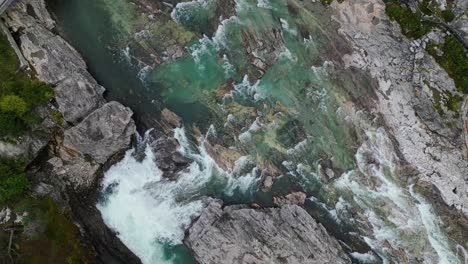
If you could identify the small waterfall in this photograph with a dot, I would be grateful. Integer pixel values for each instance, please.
(401, 219)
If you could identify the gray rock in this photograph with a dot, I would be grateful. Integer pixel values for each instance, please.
(405, 101)
(273, 235)
(56, 62)
(168, 158)
(103, 133)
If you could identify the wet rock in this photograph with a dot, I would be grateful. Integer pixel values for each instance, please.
(171, 118)
(267, 183)
(404, 98)
(225, 157)
(297, 198)
(326, 172)
(105, 132)
(237, 234)
(263, 50)
(168, 157)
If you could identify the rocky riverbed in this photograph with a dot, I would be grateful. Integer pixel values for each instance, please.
(248, 102)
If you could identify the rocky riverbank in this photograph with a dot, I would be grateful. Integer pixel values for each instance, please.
(92, 134)
(239, 234)
(409, 82)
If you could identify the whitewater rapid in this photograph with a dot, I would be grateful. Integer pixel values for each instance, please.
(151, 213)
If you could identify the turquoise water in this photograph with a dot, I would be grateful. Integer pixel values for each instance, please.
(258, 80)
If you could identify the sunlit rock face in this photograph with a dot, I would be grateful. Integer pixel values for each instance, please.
(270, 97)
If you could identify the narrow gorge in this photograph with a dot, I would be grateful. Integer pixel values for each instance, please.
(244, 131)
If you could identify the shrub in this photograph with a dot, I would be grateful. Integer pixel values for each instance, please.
(13, 180)
(13, 104)
(410, 23)
(19, 95)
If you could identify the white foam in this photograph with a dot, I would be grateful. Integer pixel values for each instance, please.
(146, 217)
(364, 258)
(183, 10)
(285, 26)
(264, 4)
(220, 37)
(149, 211)
(247, 90)
(144, 73)
(229, 70)
(436, 237)
(397, 214)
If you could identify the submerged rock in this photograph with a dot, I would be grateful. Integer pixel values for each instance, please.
(297, 198)
(273, 235)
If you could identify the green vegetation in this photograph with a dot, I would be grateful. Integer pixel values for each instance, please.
(454, 60)
(57, 117)
(326, 2)
(454, 56)
(47, 234)
(19, 95)
(447, 15)
(431, 8)
(447, 100)
(13, 181)
(411, 24)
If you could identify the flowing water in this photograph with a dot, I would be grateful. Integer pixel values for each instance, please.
(258, 81)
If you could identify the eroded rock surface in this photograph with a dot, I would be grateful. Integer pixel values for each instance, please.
(106, 131)
(408, 78)
(77, 155)
(55, 61)
(237, 234)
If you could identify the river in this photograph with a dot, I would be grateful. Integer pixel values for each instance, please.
(260, 81)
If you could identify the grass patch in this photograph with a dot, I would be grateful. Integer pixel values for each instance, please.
(19, 95)
(454, 60)
(57, 117)
(410, 23)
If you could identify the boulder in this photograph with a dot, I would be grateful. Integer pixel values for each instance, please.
(103, 133)
(168, 159)
(237, 234)
(171, 118)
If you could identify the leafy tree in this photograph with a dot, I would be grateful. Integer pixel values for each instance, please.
(13, 181)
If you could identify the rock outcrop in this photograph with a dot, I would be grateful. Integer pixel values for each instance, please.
(408, 79)
(55, 62)
(104, 132)
(237, 234)
(96, 131)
